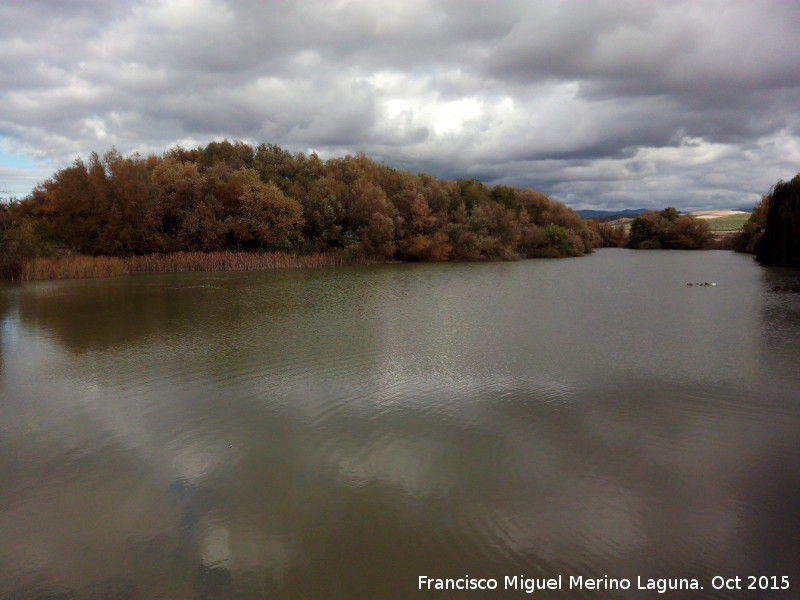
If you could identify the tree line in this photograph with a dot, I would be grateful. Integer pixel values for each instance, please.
(773, 231)
(236, 196)
(668, 229)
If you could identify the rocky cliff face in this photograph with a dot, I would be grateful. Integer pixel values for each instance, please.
(780, 245)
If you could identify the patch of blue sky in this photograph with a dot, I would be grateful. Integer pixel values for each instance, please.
(19, 173)
(15, 161)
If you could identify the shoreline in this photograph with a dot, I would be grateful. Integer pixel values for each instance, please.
(91, 267)
(81, 266)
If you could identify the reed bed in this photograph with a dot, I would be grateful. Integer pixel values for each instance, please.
(72, 267)
(180, 262)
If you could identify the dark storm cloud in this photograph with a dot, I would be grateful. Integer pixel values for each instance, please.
(612, 104)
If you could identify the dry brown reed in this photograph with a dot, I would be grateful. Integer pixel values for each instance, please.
(74, 267)
(69, 267)
(229, 261)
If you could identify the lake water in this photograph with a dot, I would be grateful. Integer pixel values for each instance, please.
(338, 433)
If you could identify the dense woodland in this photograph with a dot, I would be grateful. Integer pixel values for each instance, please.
(234, 196)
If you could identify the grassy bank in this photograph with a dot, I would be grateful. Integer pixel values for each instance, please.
(76, 267)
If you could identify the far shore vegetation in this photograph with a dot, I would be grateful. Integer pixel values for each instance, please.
(771, 231)
(668, 229)
(234, 206)
(192, 206)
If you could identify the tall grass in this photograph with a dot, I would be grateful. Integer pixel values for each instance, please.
(72, 267)
(179, 262)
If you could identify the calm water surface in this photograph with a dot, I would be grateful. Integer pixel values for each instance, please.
(336, 433)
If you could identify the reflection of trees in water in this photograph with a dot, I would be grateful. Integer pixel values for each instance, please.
(780, 319)
(5, 308)
(103, 314)
(775, 486)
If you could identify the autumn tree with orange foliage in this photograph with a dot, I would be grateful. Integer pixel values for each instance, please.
(233, 196)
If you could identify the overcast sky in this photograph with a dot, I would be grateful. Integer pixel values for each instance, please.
(619, 104)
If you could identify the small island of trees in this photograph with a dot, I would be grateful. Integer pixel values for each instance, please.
(668, 229)
(236, 198)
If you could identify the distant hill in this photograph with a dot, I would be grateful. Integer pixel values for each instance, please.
(610, 215)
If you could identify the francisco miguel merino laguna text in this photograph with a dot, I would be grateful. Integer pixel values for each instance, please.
(574, 582)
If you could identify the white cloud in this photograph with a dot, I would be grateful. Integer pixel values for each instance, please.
(588, 102)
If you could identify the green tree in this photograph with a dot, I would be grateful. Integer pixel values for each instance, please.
(323, 214)
(236, 155)
(268, 219)
(667, 229)
(505, 196)
(186, 211)
(473, 192)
